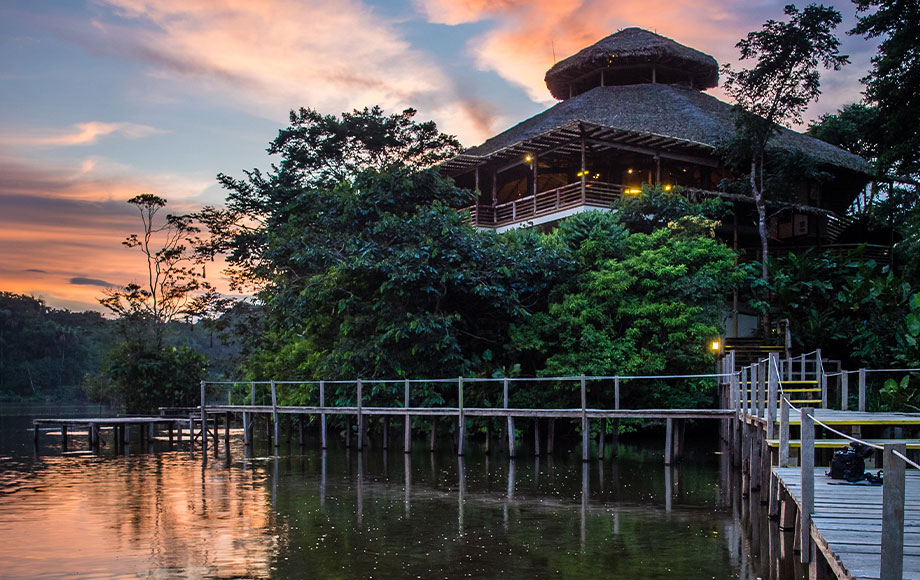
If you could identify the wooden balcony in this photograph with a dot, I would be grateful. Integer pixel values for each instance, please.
(591, 194)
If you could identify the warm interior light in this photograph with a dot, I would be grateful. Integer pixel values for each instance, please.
(629, 171)
(667, 188)
(716, 346)
(529, 158)
(633, 191)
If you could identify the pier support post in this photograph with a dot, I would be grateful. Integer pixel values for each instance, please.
(783, 432)
(432, 443)
(276, 434)
(204, 419)
(893, 512)
(510, 422)
(808, 483)
(461, 428)
(35, 432)
(322, 414)
(63, 437)
(407, 431)
(360, 416)
(227, 433)
(668, 440)
(585, 427)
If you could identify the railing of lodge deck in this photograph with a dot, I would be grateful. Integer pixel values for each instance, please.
(590, 193)
(773, 386)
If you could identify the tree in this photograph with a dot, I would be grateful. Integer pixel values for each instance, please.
(173, 289)
(633, 303)
(893, 85)
(318, 152)
(854, 128)
(778, 87)
(380, 277)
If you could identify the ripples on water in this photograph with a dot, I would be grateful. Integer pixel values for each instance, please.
(306, 514)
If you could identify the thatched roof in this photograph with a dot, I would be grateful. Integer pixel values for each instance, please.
(663, 117)
(627, 49)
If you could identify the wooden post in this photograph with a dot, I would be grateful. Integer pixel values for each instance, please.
(550, 435)
(191, 433)
(822, 380)
(246, 422)
(772, 372)
(216, 435)
(668, 440)
(510, 421)
(745, 392)
(461, 431)
(755, 389)
(227, 433)
(601, 436)
(276, 437)
(204, 421)
(584, 171)
(807, 453)
(300, 439)
(783, 432)
(536, 436)
(407, 434)
(862, 390)
(584, 421)
(322, 414)
(802, 368)
(63, 437)
(893, 512)
(178, 431)
(386, 433)
(844, 391)
(432, 443)
(360, 417)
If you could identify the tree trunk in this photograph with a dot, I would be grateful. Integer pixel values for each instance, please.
(757, 193)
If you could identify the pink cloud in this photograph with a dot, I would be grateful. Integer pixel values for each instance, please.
(332, 55)
(527, 37)
(81, 134)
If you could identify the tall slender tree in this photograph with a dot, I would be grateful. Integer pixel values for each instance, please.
(893, 84)
(776, 90)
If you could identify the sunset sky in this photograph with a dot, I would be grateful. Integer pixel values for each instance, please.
(101, 100)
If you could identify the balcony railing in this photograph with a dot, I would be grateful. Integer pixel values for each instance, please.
(593, 194)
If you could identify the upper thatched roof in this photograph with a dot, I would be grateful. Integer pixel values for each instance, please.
(674, 118)
(628, 48)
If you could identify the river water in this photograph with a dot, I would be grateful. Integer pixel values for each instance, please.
(305, 513)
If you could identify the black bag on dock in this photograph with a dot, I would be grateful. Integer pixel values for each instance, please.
(849, 463)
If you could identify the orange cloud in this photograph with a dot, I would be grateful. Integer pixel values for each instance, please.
(61, 232)
(528, 37)
(332, 55)
(82, 134)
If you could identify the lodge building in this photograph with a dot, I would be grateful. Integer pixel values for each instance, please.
(633, 112)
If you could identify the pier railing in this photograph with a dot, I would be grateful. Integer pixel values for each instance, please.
(582, 398)
(767, 391)
(590, 193)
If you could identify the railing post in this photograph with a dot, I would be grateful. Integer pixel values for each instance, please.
(802, 368)
(745, 394)
(276, 442)
(246, 424)
(755, 389)
(772, 373)
(844, 391)
(461, 432)
(204, 421)
(360, 418)
(862, 390)
(808, 482)
(407, 436)
(584, 420)
(322, 414)
(893, 512)
(783, 432)
(821, 378)
(510, 421)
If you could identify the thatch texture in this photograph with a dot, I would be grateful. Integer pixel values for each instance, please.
(628, 48)
(682, 114)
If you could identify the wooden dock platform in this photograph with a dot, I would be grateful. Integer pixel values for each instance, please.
(847, 522)
(146, 427)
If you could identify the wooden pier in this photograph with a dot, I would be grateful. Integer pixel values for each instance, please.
(842, 530)
(121, 428)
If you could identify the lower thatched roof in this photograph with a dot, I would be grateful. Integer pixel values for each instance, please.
(679, 116)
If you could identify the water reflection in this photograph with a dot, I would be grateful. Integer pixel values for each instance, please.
(349, 514)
